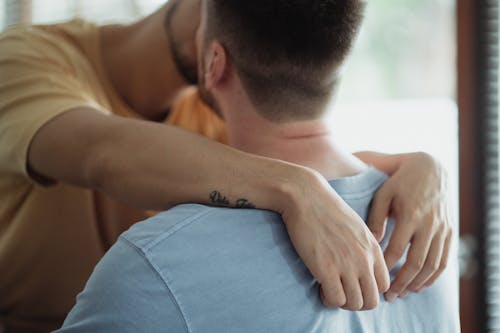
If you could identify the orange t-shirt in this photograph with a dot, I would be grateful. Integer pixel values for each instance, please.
(52, 237)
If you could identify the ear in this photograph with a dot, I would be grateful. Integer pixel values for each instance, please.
(216, 65)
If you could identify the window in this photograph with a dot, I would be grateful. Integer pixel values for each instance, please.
(398, 89)
(50, 11)
(45, 11)
(406, 49)
(489, 66)
(479, 149)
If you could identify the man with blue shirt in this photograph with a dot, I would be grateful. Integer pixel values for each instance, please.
(270, 70)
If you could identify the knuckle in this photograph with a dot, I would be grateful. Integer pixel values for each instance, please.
(416, 264)
(358, 306)
(395, 252)
(325, 300)
(434, 265)
(365, 262)
(397, 287)
(333, 302)
(339, 303)
(431, 224)
(413, 287)
(381, 196)
(353, 303)
(376, 230)
(328, 303)
(354, 306)
(325, 273)
(370, 304)
(385, 284)
(443, 228)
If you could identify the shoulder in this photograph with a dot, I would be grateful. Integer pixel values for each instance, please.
(192, 221)
(36, 42)
(166, 267)
(25, 39)
(125, 294)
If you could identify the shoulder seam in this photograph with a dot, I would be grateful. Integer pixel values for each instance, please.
(178, 226)
(155, 271)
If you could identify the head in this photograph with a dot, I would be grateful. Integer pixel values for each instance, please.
(288, 54)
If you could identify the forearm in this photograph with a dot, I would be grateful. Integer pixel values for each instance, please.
(154, 166)
(160, 166)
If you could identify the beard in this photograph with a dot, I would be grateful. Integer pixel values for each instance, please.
(184, 61)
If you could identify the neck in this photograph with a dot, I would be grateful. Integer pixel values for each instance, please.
(308, 143)
(138, 62)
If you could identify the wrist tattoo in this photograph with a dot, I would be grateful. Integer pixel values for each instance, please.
(217, 198)
(244, 203)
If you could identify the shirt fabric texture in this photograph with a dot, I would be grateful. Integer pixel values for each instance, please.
(203, 269)
(51, 237)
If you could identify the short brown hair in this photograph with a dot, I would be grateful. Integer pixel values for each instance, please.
(286, 51)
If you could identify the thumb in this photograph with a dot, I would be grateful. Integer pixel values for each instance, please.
(379, 211)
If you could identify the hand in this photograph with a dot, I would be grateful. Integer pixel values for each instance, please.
(336, 246)
(416, 197)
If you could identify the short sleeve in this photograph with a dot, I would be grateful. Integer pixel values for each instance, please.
(125, 294)
(37, 83)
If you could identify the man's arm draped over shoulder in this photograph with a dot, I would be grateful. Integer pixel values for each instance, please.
(154, 166)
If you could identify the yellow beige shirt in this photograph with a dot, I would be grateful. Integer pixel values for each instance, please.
(51, 237)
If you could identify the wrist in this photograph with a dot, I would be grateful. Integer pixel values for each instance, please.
(287, 185)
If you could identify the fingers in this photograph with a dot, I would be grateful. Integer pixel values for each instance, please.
(332, 293)
(400, 238)
(353, 293)
(350, 293)
(369, 292)
(432, 263)
(381, 273)
(381, 205)
(444, 260)
(414, 264)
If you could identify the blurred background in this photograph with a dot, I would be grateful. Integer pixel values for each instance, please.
(423, 76)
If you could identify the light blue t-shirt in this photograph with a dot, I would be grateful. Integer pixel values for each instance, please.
(203, 269)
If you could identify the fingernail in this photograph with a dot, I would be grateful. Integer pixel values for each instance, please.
(405, 293)
(390, 296)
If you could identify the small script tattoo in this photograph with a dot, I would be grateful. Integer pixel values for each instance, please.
(217, 198)
(244, 203)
